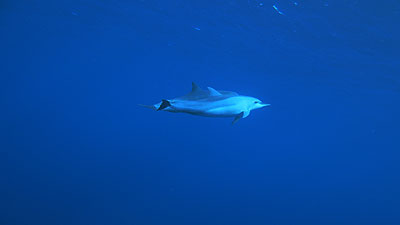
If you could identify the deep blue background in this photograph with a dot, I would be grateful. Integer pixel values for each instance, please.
(76, 148)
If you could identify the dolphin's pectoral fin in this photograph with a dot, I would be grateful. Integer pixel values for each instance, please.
(240, 115)
(246, 113)
(243, 114)
(164, 104)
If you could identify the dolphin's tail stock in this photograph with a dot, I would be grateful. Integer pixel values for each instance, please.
(149, 106)
(164, 104)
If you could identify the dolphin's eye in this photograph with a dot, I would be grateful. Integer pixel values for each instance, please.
(256, 102)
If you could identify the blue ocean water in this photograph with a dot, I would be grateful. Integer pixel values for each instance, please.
(76, 148)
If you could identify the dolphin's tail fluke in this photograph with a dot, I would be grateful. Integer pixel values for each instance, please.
(164, 104)
(159, 106)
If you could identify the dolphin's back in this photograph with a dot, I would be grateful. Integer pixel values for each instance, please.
(198, 94)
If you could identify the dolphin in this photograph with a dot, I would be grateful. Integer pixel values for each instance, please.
(210, 103)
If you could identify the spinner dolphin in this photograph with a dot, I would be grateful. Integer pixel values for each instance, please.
(210, 103)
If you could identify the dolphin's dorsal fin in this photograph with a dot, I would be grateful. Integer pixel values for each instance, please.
(195, 94)
(194, 87)
(198, 93)
(213, 92)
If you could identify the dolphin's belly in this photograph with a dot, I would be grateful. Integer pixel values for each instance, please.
(226, 111)
(210, 109)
